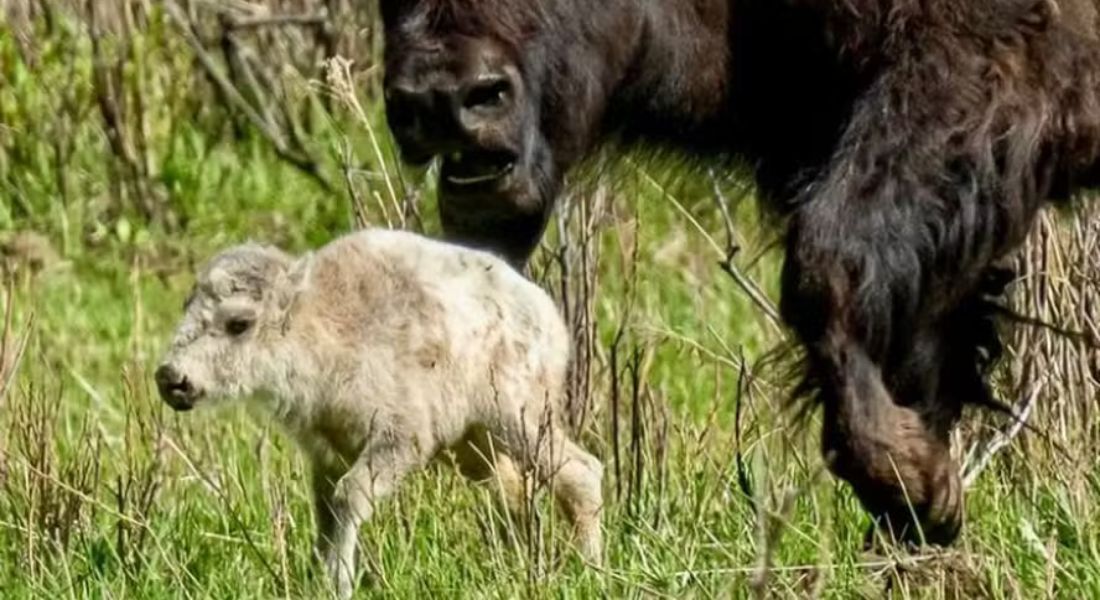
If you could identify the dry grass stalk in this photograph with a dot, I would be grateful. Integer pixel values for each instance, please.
(1052, 368)
(13, 343)
(398, 197)
(570, 266)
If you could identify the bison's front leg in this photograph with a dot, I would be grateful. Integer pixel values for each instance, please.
(886, 249)
(343, 503)
(894, 454)
(899, 465)
(939, 173)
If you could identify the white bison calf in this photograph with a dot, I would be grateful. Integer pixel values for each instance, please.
(378, 352)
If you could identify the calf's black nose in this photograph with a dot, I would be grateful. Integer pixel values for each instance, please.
(174, 387)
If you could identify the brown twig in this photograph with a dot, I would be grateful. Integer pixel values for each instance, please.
(316, 20)
(977, 460)
(233, 96)
(728, 266)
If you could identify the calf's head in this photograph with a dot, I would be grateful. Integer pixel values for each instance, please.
(507, 93)
(236, 309)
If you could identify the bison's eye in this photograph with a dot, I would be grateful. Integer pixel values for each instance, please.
(237, 326)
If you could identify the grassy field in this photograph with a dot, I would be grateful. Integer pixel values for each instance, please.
(106, 493)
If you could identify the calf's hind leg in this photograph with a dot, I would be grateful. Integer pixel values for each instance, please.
(577, 489)
(574, 475)
(483, 461)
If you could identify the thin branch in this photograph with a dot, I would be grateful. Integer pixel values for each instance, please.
(730, 268)
(233, 96)
(977, 461)
(744, 480)
(758, 297)
(1089, 340)
(278, 21)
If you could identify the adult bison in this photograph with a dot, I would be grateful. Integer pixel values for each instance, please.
(909, 143)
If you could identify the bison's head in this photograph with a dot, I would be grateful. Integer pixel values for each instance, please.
(237, 307)
(507, 95)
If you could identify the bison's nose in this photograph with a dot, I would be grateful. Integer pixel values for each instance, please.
(446, 117)
(175, 388)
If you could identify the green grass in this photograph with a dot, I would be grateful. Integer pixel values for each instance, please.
(106, 493)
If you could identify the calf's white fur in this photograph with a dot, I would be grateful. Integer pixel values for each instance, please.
(379, 351)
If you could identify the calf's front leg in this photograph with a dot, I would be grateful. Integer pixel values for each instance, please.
(343, 502)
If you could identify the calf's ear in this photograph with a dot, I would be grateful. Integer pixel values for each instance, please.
(218, 282)
(290, 283)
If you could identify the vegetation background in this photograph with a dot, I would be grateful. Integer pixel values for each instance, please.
(137, 137)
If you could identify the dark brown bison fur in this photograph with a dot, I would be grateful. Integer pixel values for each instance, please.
(908, 143)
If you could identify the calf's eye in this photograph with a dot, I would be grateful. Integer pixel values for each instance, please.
(237, 326)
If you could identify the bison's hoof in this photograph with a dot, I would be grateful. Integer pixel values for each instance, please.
(933, 515)
(903, 530)
(908, 483)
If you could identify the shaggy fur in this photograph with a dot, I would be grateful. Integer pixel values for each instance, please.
(378, 352)
(909, 144)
